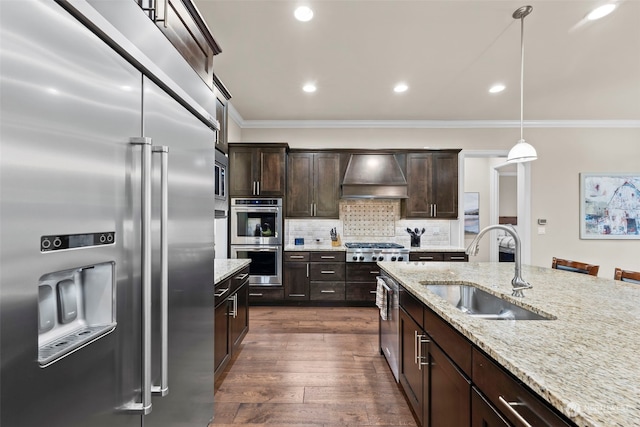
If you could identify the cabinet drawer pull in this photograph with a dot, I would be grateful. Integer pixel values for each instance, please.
(373, 292)
(297, 295)
(509, 406)
(296, 257)
(374, 272)
(327, 291)
(427, 258)
(242, 276)
(456, 257)
(221, 292)
(327, 272)
(327, 257)
(256, 295)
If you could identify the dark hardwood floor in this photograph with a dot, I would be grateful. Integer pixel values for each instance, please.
(312, 367)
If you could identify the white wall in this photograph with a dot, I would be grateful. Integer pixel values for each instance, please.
(508, 195)
(477, 172)
(562, 154)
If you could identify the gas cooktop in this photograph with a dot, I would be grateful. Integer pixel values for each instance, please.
(373, 252)
(350, 245)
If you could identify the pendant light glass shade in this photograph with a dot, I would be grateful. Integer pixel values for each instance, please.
(522, 151)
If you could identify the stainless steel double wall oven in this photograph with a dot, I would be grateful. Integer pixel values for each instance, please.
(256, 233)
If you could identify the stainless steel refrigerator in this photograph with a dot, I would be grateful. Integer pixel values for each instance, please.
(106, 233)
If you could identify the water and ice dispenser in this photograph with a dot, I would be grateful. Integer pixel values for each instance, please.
(75, 308)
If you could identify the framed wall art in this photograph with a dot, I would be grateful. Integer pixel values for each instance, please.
(609, 206)
(471, 213)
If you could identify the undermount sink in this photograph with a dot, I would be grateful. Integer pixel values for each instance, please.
(480, 304)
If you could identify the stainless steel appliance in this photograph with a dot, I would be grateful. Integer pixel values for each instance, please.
(221, 184)
(374, 252)
(256, 221)
(389, 327)
(106, 296)
(256, 233)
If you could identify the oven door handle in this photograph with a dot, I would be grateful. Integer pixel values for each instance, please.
(256, 248)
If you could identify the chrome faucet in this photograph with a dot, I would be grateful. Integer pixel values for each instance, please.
(517, 282)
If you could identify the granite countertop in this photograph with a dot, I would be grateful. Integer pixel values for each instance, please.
(437, 249)
(225, 268)
(584, 362)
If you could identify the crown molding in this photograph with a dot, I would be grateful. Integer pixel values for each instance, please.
(425, 124)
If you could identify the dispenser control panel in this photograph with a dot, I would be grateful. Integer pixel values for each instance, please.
(71, 241)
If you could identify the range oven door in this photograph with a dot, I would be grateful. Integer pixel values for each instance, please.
(256, 224)
(266, 263)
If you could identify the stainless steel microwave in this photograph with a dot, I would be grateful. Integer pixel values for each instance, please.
(221, 184)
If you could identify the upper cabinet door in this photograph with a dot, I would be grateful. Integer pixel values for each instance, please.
(313, 183)
(256, 170)
(432, 179)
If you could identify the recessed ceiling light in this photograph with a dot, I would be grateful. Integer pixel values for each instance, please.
(601, 11)
(303, 13)
(309, 88)
(496, 88)
(400, 87)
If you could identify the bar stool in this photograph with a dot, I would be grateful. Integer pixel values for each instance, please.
(575, 266)
(627, 275)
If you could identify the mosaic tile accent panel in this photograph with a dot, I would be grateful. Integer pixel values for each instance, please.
(369, 217)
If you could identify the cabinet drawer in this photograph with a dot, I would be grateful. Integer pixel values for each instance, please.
(361, 291)
(456, 256)
(411, 305)
(327, 291)
(238, 279)
(263, 293)
(328, 256)
(294, 256)
(332, 271)
(426, 256)
(362, 272)
(451, 341)
(221, 292)
(501, 389)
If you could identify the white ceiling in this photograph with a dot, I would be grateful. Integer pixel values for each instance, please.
(449, 52)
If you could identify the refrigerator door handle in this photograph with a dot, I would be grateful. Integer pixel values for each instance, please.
(162, 389)
(144, 407)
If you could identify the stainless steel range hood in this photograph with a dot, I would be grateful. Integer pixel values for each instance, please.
(374, 176)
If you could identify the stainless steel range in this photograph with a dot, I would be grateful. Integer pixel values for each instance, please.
(373, 252)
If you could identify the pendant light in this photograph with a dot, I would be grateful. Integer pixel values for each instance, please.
(522, 151)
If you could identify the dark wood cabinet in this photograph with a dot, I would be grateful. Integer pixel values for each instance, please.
(327, 276)
(410, 372)
(439, 256)
(313, 184)
(222, 115)
(231, 301)
(483, 414)
(182, 24)
(361, 282)
(296, 276)
(264, 295)
(448, 391)
(432, 185)
(257, 169)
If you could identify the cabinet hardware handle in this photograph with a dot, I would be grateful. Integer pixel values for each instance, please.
(327, 291)
(509, 406)
(297, 295)
(428, 258)
(415, 346)
(373, 292)
(311, 208)
(327, 257)
(255, 295)
(435, 209)
(374, 272)
(242, 276)
(327, 272)
(423, 340)
(307, 269)
(221, 292)
(456, 257)
(258, 185)
(296, 257)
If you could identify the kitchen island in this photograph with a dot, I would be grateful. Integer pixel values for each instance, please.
(225, 268)
(583, 362)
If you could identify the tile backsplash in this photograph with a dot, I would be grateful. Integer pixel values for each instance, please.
(369, 221)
